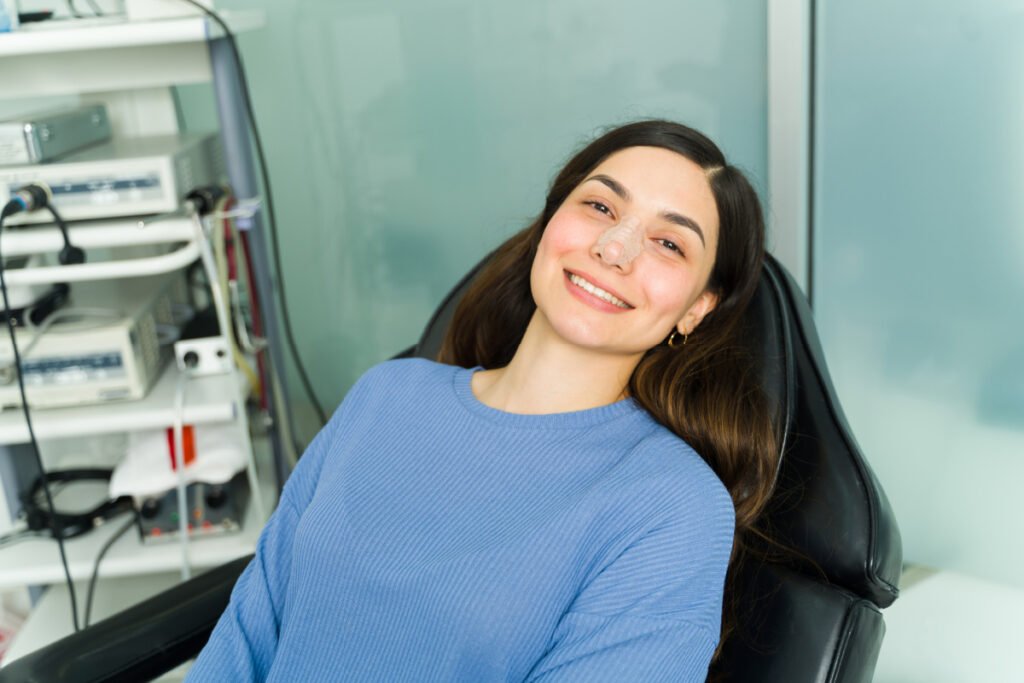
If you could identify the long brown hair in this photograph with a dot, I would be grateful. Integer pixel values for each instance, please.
(707, 392)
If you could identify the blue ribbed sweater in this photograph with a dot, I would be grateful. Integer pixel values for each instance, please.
(425, 536)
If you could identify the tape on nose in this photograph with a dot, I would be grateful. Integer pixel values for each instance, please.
(621, 243)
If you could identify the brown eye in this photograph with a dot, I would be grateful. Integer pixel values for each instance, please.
(671, 246)
(599, 206)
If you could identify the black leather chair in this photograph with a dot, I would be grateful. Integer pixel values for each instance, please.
(809, 613)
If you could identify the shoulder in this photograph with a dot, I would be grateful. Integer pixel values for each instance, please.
(395, 374)
(683, 481)
(389, 389)
(384, 384)
(406, 370)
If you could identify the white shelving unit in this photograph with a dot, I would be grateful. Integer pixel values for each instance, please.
(131, 68)
(116, 32)
(37, 561)
(207, 400)
(128, 65)
(178, 232)
(95, 235)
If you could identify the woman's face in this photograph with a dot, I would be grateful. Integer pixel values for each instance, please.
(667, 201)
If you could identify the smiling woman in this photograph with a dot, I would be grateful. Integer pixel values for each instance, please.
(557, 499)
(621, 233)
(701, 229)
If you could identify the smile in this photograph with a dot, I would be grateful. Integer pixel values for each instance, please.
(597, 291)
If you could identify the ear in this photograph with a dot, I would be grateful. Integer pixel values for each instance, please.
(704, 304)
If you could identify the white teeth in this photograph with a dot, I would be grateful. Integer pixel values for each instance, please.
(597, 291)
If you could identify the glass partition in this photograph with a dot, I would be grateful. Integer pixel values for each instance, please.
(407, 139)
(918, 263)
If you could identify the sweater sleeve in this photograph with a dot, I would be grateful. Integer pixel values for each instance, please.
(654, 612)
(244, 642)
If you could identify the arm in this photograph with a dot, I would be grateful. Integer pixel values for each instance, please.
(654, 613)
(244, 642)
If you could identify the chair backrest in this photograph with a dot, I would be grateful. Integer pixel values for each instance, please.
(814, 620)
(812, 613)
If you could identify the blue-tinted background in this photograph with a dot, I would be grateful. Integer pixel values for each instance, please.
(406, 139)
(919, 263)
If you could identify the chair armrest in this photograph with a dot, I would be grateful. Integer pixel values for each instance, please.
(140, 643)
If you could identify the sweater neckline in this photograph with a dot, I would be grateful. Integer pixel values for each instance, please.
(461, 383)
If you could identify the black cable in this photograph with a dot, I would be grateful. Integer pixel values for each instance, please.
(96, 568)
(70, 254)
(261, 158)
(14, 206)
(17, 537)
(96, 11)
(38, 196)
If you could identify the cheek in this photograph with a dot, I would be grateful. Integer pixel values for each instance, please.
(545, 261)
(673, 291)
(565, 233)
(561, 237)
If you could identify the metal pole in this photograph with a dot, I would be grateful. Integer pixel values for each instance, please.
(238, 155)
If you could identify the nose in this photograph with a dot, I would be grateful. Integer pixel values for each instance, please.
(621, 243)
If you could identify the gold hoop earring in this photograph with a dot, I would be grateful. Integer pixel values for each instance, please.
(673, 339)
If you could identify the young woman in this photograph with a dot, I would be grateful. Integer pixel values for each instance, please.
(557, 499)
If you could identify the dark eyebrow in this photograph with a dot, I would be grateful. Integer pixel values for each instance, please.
(613, 185)
(686, 223)
(617, 187)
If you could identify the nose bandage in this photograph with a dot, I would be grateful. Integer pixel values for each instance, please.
(621, 243)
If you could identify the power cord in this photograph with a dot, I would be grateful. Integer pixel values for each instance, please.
(70, 254)
(38, 196)
(28, 199)
(178, 460)
(261, 157)
(18, 533)
(96, 568)
(219, 243)
(96, 11)
(219, 293)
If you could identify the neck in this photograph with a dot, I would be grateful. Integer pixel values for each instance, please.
(551, 376)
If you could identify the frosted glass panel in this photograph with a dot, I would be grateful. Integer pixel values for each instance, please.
(919, 263)
(407, 138)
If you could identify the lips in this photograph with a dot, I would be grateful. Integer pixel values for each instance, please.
(598, 290)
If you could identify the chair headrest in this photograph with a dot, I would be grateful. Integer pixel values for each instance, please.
(827, 505)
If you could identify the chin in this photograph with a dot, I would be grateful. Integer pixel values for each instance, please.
(586, 337)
